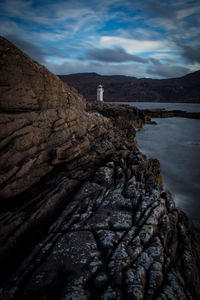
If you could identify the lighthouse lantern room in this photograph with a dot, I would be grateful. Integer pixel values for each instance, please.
(100, 91)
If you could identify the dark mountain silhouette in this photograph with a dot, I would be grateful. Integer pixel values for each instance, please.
(129, 89)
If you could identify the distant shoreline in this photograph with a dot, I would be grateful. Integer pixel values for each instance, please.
(163, 113)
(185, 89)
(159, 102)
(167, 113)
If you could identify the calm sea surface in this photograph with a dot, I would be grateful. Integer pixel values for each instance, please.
(176, 143)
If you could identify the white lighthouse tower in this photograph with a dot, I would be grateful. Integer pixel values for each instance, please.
(100, 91)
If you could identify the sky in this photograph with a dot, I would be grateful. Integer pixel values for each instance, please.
(140, 38)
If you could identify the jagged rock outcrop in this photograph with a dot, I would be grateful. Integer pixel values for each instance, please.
(83, 213)
(124, 117)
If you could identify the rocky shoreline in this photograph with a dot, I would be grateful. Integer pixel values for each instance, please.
(163, 113)
(83, 213)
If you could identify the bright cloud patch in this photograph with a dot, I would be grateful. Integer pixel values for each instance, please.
(135, 46)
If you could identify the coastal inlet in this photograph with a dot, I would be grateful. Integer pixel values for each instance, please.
(176, 143)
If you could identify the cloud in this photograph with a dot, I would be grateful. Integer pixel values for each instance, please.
(176, 19)
(113, 55)
(191, 52)
(184, 13)
(165, 70)
(154, 70)
(38, 53)
(143, 34)
(8, 27)
(173, 11)
(190, 32)
(30, 49)
(73, 15)
(15, 8)
(160, 9)
(134, 46)
(70, 67)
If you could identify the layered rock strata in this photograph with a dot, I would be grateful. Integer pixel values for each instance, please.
(83, 213)
(56, 130)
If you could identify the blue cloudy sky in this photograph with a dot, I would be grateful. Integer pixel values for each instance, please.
(141, 38)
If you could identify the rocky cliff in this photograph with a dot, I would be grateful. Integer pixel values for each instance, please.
(43, 123)
(131, 89)
(83, 212)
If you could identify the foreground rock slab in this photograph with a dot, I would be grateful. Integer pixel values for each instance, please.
(116, 239)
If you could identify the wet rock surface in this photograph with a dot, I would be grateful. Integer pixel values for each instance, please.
(83, 213)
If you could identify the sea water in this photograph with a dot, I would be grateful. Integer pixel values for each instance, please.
(175, 142)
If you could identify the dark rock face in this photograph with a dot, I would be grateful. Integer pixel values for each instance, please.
(130, 89)
(26, 86)
(56, 130)
(83, 212)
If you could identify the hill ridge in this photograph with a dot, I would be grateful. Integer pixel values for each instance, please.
(120, 88)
